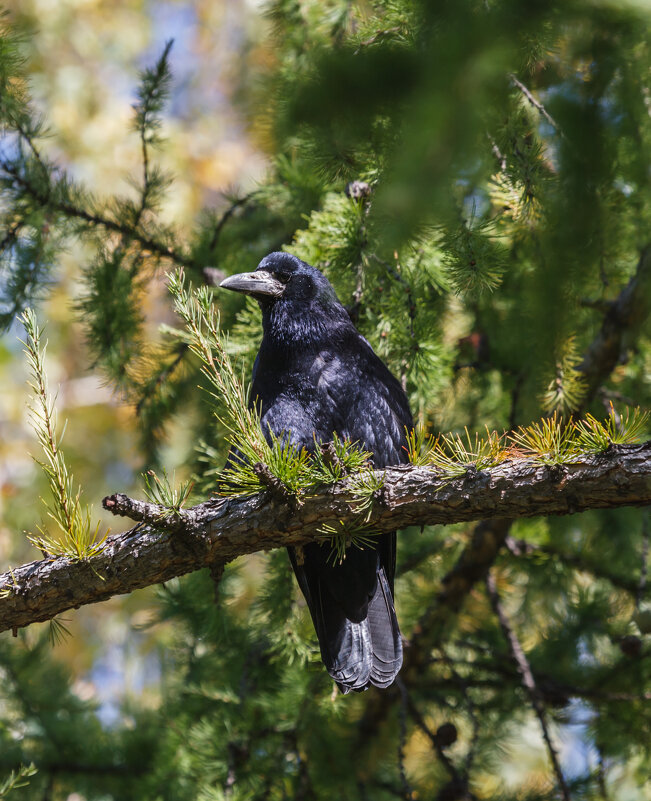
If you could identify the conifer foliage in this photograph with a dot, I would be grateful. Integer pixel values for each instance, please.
(472, 177)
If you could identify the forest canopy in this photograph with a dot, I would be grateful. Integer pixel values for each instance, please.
(472, 178)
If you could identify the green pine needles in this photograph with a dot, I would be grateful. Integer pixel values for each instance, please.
(165, 492)
(77, 537)
(552, 441)
(567, 389)
(475, 257)
(452, 455)
(17, 778)
(593, 436)
(341, 536)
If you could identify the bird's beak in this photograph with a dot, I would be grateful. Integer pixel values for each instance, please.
(258, 284)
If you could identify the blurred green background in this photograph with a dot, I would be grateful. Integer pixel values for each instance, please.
(506, 150)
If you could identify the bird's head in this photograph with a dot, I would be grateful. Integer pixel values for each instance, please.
(299, 305)
(281, 278)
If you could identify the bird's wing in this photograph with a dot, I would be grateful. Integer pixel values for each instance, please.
(378, 413)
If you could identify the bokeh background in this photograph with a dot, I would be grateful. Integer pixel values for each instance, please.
(83, 60)
(529, 230)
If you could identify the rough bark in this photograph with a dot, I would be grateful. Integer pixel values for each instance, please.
(217, 531)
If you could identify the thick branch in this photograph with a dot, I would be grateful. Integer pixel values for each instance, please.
(220, 530)
(621, 324)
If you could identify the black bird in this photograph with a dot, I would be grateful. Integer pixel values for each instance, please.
(316, 376)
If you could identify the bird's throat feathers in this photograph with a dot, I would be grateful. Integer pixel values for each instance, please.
(289, 325)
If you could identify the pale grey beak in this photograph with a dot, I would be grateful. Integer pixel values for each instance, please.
(259, 283)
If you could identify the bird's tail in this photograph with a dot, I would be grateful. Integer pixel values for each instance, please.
(352, 609)
(386, 642)
(365, 652)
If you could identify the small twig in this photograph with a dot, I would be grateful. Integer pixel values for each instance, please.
(431, 736)
(472, 714)
(11, 234)
(49, 788)
(501, 158)
(231, 777)
(644, 567)
(600, 304)
(329, 454)
(601, 775)
(242, 201)
(625, 317)
(411, 309)
(411, 306)
(551, 691)
(146, 184)
(402, 741)
(528, 681)
(70, 210)
(458, 784)
(142, 511)
(216, 573)
(536, 104)
(378, 36)
(35, 151)
(353, 309)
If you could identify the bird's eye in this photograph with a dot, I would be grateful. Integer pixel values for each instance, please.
(282, 276)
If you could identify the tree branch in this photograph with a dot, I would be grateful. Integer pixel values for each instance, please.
(528, 681)
(523, 548)
(458, 783)
(536, 103)
(95, 219)
(217, 531)
(624, 318)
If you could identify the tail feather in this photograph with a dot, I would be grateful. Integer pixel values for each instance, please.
(345, 644)
(354, 617)
(386, 642)
(357, 654)
(351, 667)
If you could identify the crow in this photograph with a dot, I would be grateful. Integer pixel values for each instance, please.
(315, 376)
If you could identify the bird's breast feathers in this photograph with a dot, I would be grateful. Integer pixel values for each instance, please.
(328, 393)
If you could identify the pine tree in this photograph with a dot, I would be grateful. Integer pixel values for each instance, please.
(473, 179)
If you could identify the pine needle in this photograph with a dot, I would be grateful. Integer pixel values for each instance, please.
(77, 537)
